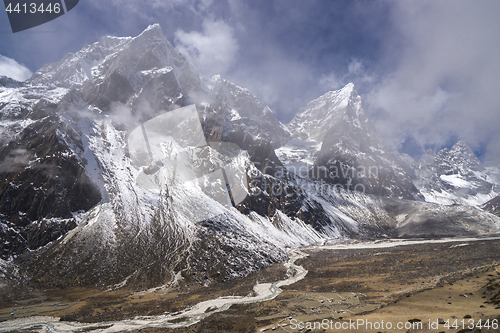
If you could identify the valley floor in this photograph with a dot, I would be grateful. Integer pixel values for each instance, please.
(360, 282)
(426, 281)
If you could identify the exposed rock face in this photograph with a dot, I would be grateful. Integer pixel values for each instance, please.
(235, 115)
(493, 206)
(244, 111)
(312, 122)
(456, 176)
(42, 177)
(9, 83)
(352, 155)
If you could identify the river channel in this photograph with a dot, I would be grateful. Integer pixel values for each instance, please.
(194, 314)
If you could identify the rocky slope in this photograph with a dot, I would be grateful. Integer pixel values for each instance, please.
(456, 176)
(66, 163)
(493, 206)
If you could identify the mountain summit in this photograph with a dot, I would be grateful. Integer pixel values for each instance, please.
(351, 155)
(313, 121)
(456, 176)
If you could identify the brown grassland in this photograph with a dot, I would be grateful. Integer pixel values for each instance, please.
(423, 282)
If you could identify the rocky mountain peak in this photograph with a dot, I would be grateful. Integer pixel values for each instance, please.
(153, 29)
(242, 111)
(8, 82)
(460, 145)
(338, 122)
(493, 206)
(430, 152)
(342, 95)
(142, 70)
(459, 159)
(124, 55)
(153, 40)
(462, 149)
(76, 68)
(455, 176)
(314, 120)
(345, 92)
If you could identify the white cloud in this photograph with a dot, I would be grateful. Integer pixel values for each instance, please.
(140, 6)
(212, 51)
(204, 4)
(445, 81)
(330, 82)
(11, 68)
(406, 112)
(282, 83)
(358, 73)
(355, 67)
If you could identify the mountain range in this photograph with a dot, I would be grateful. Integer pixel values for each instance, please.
(122, 166)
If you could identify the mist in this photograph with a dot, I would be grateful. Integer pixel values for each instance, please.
(427, 71)
(445, 84)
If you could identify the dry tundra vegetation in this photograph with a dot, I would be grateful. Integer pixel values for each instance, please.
(423, 282)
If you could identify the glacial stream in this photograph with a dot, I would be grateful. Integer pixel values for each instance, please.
(190, 316)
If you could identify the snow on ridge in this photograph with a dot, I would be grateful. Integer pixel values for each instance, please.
(190, 203)
(314, 120)
(456, 176)
(89, 62)
(455, 180)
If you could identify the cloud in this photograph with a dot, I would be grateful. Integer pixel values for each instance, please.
(444, 78)
(355, 67)
(427, 70)
(403, 113)
(16, 158)
(356, 72)
(213, 51)
(331, 81)
(278, 81)
(11, 68)
(139, 6)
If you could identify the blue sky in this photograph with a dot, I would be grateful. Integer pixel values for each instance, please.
(427, 70)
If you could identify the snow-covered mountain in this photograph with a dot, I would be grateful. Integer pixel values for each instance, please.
(456, 176)
(66, 163)
(243, 110)
(121, 166)
(312, 122)
(351, 154)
